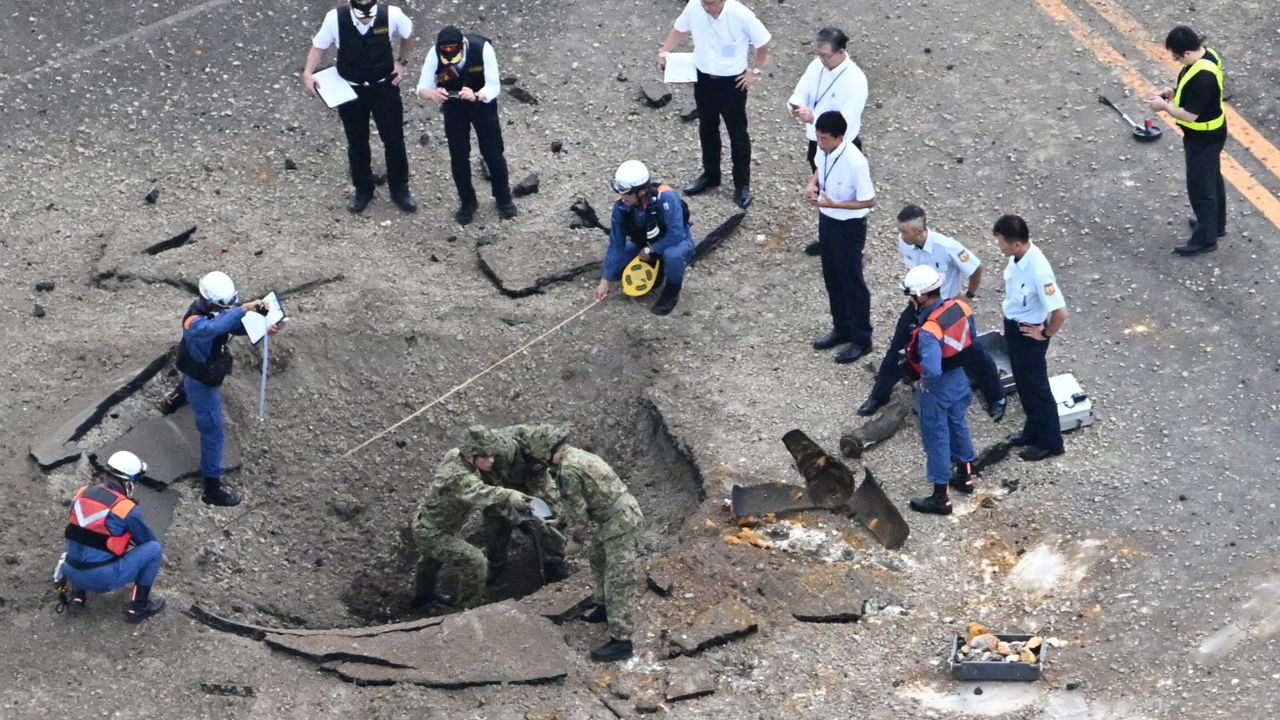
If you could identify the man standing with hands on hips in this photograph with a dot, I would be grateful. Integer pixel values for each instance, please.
(363, 34)
(842, 192)
(1034, 311)
(460, 75)
(1196, 105)
(722, 30)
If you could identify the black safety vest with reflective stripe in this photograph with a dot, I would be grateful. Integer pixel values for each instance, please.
(471, 69)
(364, 58)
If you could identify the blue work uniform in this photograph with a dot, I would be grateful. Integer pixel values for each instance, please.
(97, 570)
(941, 406)
(1031, 294)
(627, 235)
(202, 330)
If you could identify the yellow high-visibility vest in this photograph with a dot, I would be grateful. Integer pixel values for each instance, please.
(1204, 64)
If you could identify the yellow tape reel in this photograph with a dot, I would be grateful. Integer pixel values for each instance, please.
(640, 277)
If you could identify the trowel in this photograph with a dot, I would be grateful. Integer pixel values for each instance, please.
(1147, 132)
(829, 485)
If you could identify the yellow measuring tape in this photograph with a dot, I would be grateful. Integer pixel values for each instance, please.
(469, 380)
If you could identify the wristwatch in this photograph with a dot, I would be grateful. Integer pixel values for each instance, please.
(403, 60)
(756, 71)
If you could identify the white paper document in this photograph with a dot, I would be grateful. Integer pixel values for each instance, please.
(680, 68)
(333, 89)
(256, 324)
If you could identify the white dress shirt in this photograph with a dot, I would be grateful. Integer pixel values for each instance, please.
(952, 261)
(720, 44)
(492, 85)
(844, 175)
(1031, 290)
(843, 89)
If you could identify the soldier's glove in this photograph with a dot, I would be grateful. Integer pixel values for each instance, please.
(518, 501)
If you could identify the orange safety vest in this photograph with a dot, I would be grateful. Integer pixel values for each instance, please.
(88, 524)
(949, 323)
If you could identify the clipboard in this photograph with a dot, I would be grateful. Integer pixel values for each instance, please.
(680, 68)
(256, 324)
(333, 89)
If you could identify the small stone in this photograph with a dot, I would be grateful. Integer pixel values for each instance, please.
(152, 196)
(985, 642)
(38, 310)
(527, 186)
(433, 258)
(928, 51)
(1027, 656)
(1074, 683)
(1182, 498)
(509, 80)
(451, 238)
(424, 139)
(1004, 649)
(622, 77)
(1034, 642)
(44, 286)
(556, 146)
(655, 95)
(289, 164)
(522, 95)
(977, 691)
(648, 701)
(973, 630)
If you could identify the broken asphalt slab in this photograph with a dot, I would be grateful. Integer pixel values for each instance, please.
(717, 625)
(61, 446)
(157, 508)
(823, 594)
(258, 632)
(170, 445)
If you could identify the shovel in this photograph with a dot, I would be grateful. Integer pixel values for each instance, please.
(829, 485)
(1147, 132)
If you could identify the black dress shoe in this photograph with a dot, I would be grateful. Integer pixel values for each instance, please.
(1189, 250)
(813, 249)
(869, 408)
(464, 214)
(851, 353)
(507, 209)
(1019, 440)
(701, 184)
(359, 202)
(742, 196)
(405, 201)
(1035, 454)
(830, 340)
(996, 409)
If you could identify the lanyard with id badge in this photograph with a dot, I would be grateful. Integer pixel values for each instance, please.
(728, 47)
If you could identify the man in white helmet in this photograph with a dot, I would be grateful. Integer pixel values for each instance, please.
(933, 362)
(649, 221)
(109, 545)
(205, 361)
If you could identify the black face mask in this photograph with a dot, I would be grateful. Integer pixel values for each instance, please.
(365, 9)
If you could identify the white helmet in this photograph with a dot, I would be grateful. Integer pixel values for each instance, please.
(921, 280)
(631, 176)
(217, 288)
(125, 465)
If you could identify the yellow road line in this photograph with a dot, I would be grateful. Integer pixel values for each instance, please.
(1239, 128)
(1232, 171)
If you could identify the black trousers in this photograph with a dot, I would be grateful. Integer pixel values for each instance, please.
(975, 360)
(716, 97)
(459, 117)
(382, 101)
(840, 244)
(1031, 377)
(1205, 189)
(813, 152)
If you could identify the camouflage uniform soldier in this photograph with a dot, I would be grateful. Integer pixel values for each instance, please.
(513, 467)
(455, 493)
(593, 499)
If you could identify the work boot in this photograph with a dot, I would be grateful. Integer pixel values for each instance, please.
(702, 184)
(962, 478)
(174, 400)
(830, 340)
(612, 651)
(404, 200)
(667, 299)
(597, 614)
(215, 494)
(554, 571)
(143, 606)
(939, 503)
(495, 574)
(79, 601)
(996, 409)
(813, 249)
(869, 408)
(507, 209)
(464, 214)
(359, 202)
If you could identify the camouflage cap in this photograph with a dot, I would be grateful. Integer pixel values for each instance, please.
(479, 441)
(544, 438)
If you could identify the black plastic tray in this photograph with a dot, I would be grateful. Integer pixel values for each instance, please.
(978, 670)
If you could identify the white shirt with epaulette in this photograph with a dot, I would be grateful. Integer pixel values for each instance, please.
(1031, 290)
(944, 254)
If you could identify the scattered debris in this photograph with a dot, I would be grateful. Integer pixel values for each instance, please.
(522, 95)
(509, 80)
(1074, 683)
(289, 164)
(716, 625)
(527, 186)
(424, 139)
(687, 683)
(45, 286)
(586, 213)
(747, 536)
(655, 95)
(176, 241)
(875, 431)
(227, 690)
(152, 196)
(38, 310)
(556, 146)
